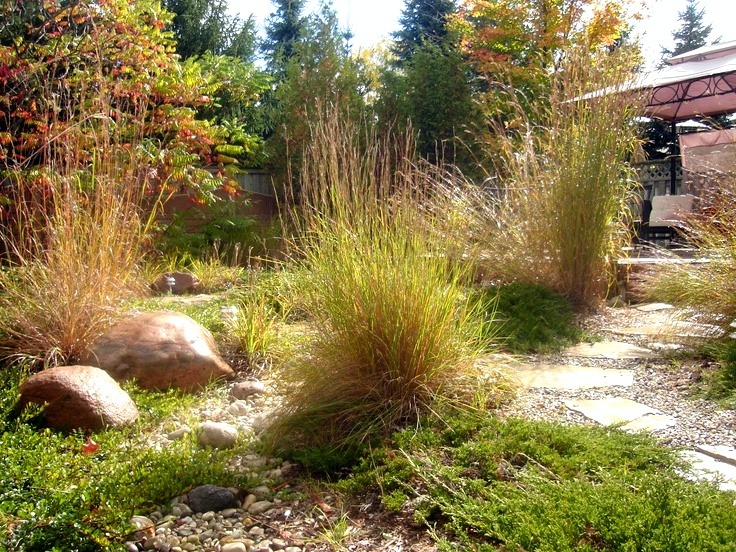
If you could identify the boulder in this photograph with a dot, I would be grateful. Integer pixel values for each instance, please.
(79, 397)
(160, 350)
(175, 282)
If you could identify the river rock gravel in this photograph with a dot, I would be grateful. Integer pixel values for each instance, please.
(266, 517)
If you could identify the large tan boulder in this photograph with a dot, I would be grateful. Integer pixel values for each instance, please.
(79, 397)
(160, 350)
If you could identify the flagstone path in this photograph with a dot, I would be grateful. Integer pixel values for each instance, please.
(629, 386)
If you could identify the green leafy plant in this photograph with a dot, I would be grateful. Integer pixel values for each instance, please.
(479, 483)
(55, 495)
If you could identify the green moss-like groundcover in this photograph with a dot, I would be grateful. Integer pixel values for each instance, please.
(482, 484)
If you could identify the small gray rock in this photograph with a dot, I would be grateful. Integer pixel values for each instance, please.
(179, 433)
(260, 507)
(239, 408)
(244, 389)
(211, 498)
(217, 434)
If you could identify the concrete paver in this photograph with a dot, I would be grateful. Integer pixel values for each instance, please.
(561, 376)
(612, 410)
(609, 349)
(706, 467)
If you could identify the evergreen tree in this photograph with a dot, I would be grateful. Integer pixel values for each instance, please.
(422, 21)
(319, 73)
(692, 34)
(284, 30)
(202, 26)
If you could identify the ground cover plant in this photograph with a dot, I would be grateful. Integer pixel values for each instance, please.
(57, 493)
(392, 324)
(530, 318)
(484, 484)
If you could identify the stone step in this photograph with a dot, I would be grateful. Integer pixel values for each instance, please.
(632, 415)
(609, 349)
(562, 376)
(706, 467)
(674, 329)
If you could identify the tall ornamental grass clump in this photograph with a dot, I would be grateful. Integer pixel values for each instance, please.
(392, 326)
(73, 238)
(557, 213)
(709, 284)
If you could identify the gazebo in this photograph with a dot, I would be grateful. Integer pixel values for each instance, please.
(699, 83)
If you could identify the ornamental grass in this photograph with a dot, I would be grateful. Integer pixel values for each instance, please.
(73, 238)
(392, 327)
(556, 208)
(707, 285)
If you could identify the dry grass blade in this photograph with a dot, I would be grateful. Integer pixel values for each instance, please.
(557, 213)
(75, 240)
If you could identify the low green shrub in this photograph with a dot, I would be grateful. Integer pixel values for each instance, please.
(54, 496)
(483, 484)
(530, 318)
(238, 239)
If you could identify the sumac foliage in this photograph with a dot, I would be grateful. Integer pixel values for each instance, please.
(61, 60)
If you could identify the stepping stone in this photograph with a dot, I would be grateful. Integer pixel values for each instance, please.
(722, 453)
(672, 329)
(613, 411)
(561, 376)
(649, 423)
(654, 307)
(705, 467)
(609, 349)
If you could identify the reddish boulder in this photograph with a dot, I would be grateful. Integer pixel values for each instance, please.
(175, 282)
(160, 350)
(79, 397)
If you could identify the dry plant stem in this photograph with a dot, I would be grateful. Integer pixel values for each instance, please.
(77, 237)
(393, 328)
(558, 214)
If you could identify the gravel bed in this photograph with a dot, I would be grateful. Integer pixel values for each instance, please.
(270, 517)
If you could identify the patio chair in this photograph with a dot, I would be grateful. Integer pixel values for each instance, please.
(666, 214)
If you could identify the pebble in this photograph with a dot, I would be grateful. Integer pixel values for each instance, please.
(245, 389)
(234, 547)
(260, 507)
(239, 408)
(179, 433)
(219, 435)
(255, 526)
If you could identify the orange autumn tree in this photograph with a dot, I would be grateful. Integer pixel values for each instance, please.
(513, 45)
(65, 66)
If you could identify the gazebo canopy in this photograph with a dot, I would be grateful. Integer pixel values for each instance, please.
(700, 83)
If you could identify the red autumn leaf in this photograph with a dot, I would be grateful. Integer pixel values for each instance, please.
(90, 447)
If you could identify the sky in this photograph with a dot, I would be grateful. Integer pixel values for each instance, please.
(373, 20)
